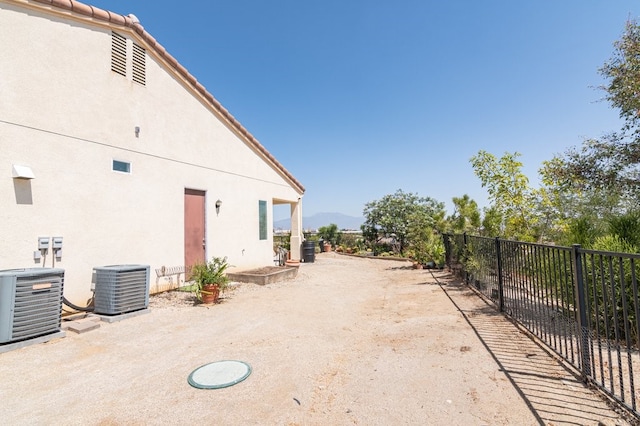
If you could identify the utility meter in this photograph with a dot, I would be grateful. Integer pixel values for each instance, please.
(43, 243)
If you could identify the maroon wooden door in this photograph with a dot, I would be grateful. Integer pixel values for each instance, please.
(194, 227)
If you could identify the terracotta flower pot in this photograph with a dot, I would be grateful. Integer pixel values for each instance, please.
(210, 293)
(327, 247)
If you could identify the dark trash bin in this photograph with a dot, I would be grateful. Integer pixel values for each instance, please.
(321, 244)
(309, 251)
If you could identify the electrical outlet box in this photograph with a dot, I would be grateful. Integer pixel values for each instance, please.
(43, 243)
(57, 243)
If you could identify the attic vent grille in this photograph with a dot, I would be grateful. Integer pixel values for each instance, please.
(118, 54)
(139, 64)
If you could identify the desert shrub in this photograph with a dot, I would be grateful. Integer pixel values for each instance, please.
(350, 241)
(627, 228)
(610, 281)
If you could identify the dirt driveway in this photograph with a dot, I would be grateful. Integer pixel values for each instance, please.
(349, 341)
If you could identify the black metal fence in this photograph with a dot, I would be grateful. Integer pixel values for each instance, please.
(583, 304)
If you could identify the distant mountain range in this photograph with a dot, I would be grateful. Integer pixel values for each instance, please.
(323, 219)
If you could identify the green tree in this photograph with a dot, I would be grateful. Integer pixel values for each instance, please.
(581, 230)
(605, 168)
(330, 233)
(622, 71)
(626, 227)
(491, 222)
(425, 243)
(391, 216)
(610, 164)
(510, 193)
(466, 216)
(605, 310)
(580, 211)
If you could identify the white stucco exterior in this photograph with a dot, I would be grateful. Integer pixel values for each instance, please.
(65, 115)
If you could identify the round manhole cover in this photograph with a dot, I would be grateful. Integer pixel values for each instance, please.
(220, 374)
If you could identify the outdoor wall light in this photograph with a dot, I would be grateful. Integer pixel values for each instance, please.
(22, 172)
(137, 130)
(218, 204)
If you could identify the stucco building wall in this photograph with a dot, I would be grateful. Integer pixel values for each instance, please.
(67, 116)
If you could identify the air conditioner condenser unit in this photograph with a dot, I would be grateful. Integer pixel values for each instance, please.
(30, 303)
(121, 288)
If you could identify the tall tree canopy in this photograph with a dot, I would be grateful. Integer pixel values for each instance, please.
(466, 216)
(611, 164)
(393, 214)
(622, 71)
(509, 191)
(492, 222)
(586, 188)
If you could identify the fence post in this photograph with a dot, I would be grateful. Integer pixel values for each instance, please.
(499, 271)
(447, 250)
(466, 273)
(581, 305)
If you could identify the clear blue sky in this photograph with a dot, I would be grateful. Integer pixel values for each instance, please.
(359, 98)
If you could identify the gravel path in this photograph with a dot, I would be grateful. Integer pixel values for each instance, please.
(349, 341)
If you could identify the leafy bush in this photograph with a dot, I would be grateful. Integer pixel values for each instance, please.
(627, 228)
(330, 234)
(283, 240)
(212, 272)
(581, 231)
(610, 294)
(351, 241)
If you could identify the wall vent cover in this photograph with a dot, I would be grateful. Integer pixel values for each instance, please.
(121, 288)
(30, 303)
(139, 64)
(118, 54)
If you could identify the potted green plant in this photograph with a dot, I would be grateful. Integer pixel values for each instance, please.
(210, 279)
(330, 235)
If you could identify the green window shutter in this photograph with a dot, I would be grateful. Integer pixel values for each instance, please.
(262, 212)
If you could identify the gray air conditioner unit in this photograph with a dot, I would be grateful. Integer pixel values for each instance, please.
(30, 303)
(121, 288)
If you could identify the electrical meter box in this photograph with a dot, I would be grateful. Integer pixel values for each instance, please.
(43, 243)
(57, 242)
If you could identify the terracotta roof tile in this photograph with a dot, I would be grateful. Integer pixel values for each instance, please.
(100, 13)
(81, 8)
(200, 87)
(128, 22)
(160, 49)
(150, 40)
(140, 30)
(116, 19)
(182, 70)
(64, 4)
(170, 60)
(190, 78)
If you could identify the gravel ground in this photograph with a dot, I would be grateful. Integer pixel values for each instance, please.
(348, 341)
